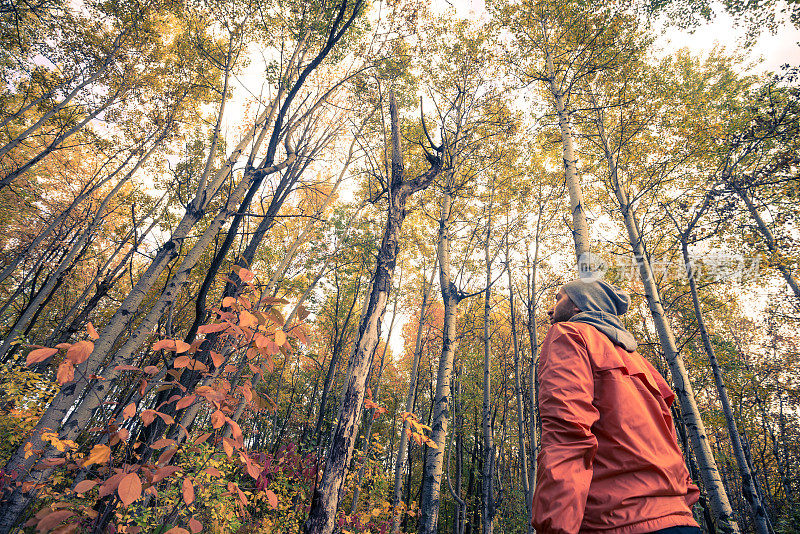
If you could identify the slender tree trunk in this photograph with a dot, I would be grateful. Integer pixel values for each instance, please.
(429, 503)
(580, 227)
(338, 347)
(488, 511)
(402, 446)
(748, 482)
(521, 423)
(720, 505)
(769, 239)
(326, 496)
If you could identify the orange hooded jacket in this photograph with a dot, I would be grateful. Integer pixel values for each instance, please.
(610, 461)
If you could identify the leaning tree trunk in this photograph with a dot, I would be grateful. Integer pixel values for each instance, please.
(326, 496)
(748, 482)
(371, 413)
(720, 505)
(769, 239)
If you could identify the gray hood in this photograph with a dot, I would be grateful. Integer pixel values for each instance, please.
(600, 304)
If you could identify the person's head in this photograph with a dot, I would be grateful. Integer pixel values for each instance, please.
(563, 309)
(587, 296)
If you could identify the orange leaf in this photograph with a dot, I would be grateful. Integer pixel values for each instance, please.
(214, 472)
(163, 472)
(195, 526)
(217, 419)
(63, 346)
(272, 498)
(216, 358)
(181, 346)
(201, 438)
(180, 362)
(227, 445)
(66, 372)
(80, 351)
(242, 496)
(185, 402)
(166, 456)
(214, 327)
(236, 432)
(129, 489)
(253, 470)
(92, 332)
(188, 491)
(227, 302)
(129, 411)
(164, 442)
(110, 485)
(148, 416)
(167, 418)
(245, 274)
(164, 344)
(177, 530)
(49, 521)
(39, 355)
(280, 337)
(247, 319)
(99, 454)
(302, 312)
(84, 485)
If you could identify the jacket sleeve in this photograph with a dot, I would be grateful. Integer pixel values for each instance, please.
(566, 392)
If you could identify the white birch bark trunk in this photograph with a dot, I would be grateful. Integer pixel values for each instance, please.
(718, 497)
(748, 482)
(429, 501)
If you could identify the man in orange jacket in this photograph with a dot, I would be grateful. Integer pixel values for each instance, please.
(610, 461)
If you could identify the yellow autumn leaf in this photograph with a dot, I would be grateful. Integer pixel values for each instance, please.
(99, 454)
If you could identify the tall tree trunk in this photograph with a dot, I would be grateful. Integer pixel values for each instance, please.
(488, 512)
(580, 227)
(371, 413)
(720, 505)
(748, 482)
(402, 446)
(429, 502)
(326, 496)
(521, 423)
